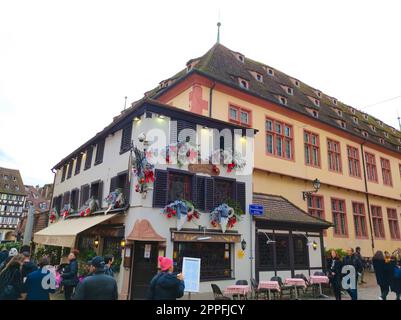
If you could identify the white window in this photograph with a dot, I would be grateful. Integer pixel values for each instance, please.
(290, 91)
(334, 101)
(270, 71)
(385, 134)
(343, 124)
(259, 77)
(373, 128)
(339, 112)
(243, 83)
(365, 134)
(381, 140)
(240, 57)
(318, 93)
(283, 100)
(317, 103)
(355, 119)
(365, 116)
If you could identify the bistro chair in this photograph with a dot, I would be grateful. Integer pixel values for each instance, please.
(284, 290)
(255, 289)
(240, 283)
(303, 277)
(218, 295)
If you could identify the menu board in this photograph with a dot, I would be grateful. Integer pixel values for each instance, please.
(191, 272)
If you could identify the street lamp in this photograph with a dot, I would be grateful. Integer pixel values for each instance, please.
(316, 186)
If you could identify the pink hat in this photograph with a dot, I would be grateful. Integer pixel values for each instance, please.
(165, 263)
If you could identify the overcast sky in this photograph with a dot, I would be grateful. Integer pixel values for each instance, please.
(65, 66)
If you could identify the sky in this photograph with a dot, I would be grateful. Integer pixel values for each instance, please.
(66, 66)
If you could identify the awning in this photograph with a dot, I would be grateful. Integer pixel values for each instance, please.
(143, 231)
(63, 233)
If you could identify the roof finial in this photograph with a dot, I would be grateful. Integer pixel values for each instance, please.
(218, 32)
(125, 102)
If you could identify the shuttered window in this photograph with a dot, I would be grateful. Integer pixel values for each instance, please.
(113, 184)
(97, 191)
(209, 201)
(75, 199)
(99, 152)
(241, 195)
(200, 193)
(88, 160)
(182, 131)
(66, 198)
(160, 189)
(84, 194)
(121, 182)
(63, 173)
(69, 172)
(126, 138)
(78, 164)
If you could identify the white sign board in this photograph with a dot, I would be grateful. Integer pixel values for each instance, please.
(191, 272)
(148, 248)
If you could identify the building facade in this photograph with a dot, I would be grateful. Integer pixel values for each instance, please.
(304, 134)
(12, 202)
(217, 228)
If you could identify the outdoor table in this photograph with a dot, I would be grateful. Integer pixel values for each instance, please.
(319, 280)
(269, 285)
(296, 282)
(238, 289)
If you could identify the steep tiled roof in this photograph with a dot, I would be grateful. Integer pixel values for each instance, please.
(11, 182)
(279, 209)
(222, 64)
(36, 196)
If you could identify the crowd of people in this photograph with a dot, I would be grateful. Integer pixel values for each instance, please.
(21, 278)
(387, 270)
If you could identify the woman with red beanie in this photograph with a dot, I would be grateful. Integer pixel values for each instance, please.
(166, 285)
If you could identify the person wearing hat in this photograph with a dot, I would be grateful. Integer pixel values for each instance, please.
(12, 253)
(98, 286)
(166, 285)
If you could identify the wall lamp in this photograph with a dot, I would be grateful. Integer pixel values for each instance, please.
(96, 242)
(123, 243)
(316, 186)
(243, 244)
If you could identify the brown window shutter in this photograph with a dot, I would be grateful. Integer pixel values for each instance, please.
(100, 194)
(209, 194)
(126, 138)
(63, 173)
(70, 165)
(99, 152)
(113, 184)
(200, 193)
(78, 164)
(160, 189)
(88, 160)
(241, 195)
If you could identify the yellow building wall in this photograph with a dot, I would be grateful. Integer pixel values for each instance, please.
(288, 182)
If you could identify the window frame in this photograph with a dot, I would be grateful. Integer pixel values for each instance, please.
(239, 109)
(386, 172)
(311, 146)
(359, 216)
(379, 218)
(333, 154)
(393, 220)
(283, 136)
(336, 212)
(371, 165)
(356, 162)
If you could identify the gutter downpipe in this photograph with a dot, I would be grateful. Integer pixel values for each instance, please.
(211, 98)
(367, 197)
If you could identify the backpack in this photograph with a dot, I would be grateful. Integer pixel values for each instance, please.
(397, 273)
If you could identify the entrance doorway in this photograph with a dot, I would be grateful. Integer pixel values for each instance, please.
(144, 267)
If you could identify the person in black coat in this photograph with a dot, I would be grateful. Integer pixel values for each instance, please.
(11, 287)
(70, 275)
(97, 286)
(396, 283)
(27, 266)
(166, 285)
(351, 260)
(3, 255)
(334, 266)
(383, 272)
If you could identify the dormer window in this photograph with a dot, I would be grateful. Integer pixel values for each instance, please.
(342, 124)
(313, 112)
(288, 90)
(16, 188)
(385, 134)
(316, 102)
(365, 134)
(381, 140)
(373, 128)
(282, 100)
(7, 186)
(270, 71)
(318, 93)
(352, 110)
(241, 58)
(339, 112)
(365, 116)
(334, 101)
(243, 83)
(380, 123)
(355, 119)
(392, 130)
(259, 77)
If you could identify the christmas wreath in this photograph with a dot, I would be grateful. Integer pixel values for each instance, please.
(143, 169)
(226, 215)
(183, 210)
(53, 215)
(115, 199)
(89, 207)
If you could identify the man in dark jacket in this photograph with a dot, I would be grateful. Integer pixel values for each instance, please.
(3, 255)
(362, 261)
(27, 266)
(38, 288)
(351, 260)
(166, 285)
(108, 265)
(97, 286)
